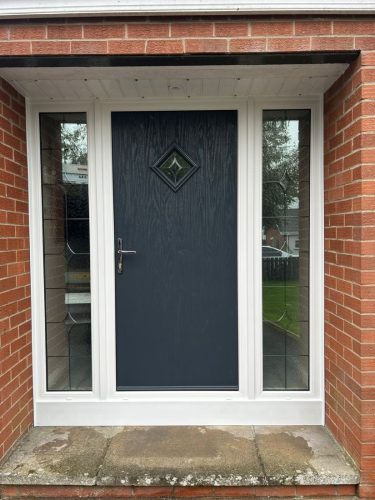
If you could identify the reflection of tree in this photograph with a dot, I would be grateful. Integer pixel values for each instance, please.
(74, 143)
(280, 171)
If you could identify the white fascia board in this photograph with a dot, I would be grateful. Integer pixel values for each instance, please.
(45, 8)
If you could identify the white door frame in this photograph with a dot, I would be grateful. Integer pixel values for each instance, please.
(249, 405)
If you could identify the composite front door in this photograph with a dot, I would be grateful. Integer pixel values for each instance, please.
(175, 205)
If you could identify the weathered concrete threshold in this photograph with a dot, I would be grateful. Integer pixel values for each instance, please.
(120, 462)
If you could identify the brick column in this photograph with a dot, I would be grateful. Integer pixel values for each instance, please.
(15, 313)
(350, 264)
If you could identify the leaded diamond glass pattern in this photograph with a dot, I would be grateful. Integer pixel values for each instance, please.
(175, 167)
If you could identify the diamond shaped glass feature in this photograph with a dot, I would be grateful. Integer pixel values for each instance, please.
(175, 167)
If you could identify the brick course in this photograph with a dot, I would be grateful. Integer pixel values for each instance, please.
(30, 492)
(185, 36)
(349, 184)
(15, 312)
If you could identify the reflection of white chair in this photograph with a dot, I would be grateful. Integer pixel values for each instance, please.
(78, 311)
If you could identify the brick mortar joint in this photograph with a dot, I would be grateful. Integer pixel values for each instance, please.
(187, 20)
(282, 36)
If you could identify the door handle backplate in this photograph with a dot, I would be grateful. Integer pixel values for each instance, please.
(120, 255)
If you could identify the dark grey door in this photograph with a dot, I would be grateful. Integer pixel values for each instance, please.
(175, 204)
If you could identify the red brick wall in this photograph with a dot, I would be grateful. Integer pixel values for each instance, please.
(350, 264)
(349, 172)
(15, 327)
(179, 36)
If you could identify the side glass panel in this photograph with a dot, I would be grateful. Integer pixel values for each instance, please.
(66, 250)
(285, 249)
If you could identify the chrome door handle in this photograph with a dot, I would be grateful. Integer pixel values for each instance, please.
(120, 255)
(125, 252)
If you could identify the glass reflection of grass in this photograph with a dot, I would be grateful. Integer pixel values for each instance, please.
(281, 304)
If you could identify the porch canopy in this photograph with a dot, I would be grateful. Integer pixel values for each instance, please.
(141, 77)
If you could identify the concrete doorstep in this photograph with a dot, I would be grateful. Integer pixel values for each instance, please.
(171, 461)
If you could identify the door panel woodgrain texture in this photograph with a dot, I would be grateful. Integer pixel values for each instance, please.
(176, 300)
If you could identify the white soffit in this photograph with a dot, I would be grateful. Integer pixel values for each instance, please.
(172, 82)
(52, 8)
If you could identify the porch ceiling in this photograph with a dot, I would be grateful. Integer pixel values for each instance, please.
(172, 82)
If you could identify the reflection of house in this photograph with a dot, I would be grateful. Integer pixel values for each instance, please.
(291, 230)
(74, 174)
(284, 235)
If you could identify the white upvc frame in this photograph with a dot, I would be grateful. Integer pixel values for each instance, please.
(316, 256)
(249, 405)
(36, 247)
(108, 231)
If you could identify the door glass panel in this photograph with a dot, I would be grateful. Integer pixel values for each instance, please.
(66, 250)
(285, 249)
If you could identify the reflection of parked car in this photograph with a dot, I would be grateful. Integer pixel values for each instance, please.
(268, 251)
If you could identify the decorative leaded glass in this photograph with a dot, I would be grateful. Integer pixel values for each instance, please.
(285, 249)
(64, 171)
(175, 167)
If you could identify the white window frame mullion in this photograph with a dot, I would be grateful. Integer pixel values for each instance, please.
(101, 246)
